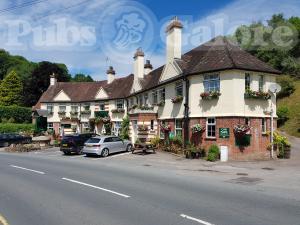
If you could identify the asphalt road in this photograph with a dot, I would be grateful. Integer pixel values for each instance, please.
(38, 189)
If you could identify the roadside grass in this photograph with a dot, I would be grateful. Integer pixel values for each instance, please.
(292, 126)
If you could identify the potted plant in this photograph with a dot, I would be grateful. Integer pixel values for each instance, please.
(177, 99)
(210, 95)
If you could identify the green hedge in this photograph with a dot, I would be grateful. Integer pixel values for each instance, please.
(15, 114)
(15, 128)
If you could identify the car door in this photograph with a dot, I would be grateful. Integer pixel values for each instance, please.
(109, 143)
(119, 144)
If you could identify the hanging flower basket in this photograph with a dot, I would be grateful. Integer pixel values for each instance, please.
(210, 95)
(197, 128)
(241, 130)
(257, 94)
(165, 128)
(177, 99)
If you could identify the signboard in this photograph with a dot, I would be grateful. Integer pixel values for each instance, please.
(224, 132)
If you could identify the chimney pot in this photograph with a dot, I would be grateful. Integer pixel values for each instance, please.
(110, 74)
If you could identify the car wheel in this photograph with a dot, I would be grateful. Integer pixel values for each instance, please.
(129, 148)
(105, 152)
(66, 153)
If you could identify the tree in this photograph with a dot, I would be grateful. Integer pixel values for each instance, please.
(39, 80)
(11, 90)
(82, 78)
(125, 128)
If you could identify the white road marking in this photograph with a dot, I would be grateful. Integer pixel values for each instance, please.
(22, 168)
(96, 187)
(195, 219)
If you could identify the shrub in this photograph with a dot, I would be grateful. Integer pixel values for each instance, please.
(125, 128)
(15, 114)
(282, 113)
(23, 148)
(177, 140)
(287, 86)
(155, 141)
(213, 153)
(16, 128)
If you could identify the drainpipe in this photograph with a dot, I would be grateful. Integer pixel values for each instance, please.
(80, 125)
(186, 111)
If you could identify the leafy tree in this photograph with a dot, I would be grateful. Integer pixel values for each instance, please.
(283, 115)
(11, 90)
(82, 78)
(287, 86)
(125, 128)
(39, 81)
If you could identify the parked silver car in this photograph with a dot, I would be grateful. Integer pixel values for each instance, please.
(105, 145)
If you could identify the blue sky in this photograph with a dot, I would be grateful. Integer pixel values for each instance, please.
(90, 35)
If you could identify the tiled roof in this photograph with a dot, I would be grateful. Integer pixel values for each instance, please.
(215, 55)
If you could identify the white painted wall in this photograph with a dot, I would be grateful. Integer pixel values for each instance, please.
(173, 44)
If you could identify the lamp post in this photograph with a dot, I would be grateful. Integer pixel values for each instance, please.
(274, 89)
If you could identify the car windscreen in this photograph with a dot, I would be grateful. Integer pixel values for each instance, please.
(93, 140)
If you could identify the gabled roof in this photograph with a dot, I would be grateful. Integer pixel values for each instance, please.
(215, 55)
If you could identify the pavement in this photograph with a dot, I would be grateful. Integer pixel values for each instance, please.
(48, 188)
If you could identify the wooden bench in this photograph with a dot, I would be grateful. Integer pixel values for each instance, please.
(144, 148)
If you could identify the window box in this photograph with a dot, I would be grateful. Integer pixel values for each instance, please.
(210, 95)
(118, 110)
(74, 113)
(86, 112)
(145, 107)
(62, 113)
(133, 107)
(249, 94)
(177, 99)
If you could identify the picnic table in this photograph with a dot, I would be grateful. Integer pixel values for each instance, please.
(144, 148)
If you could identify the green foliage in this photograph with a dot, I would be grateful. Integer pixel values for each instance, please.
(177, 140)
(39, 81)
(155, 141)
(213, 153)
(258, 39)
(11, 90)
(125, 128)
(283, 115)
(82, 78)
(15, 128)
(287, 86)
(15, 114)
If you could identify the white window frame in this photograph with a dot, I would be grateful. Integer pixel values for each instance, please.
(102, 106)
(119, 104)
(261, 82)
(162, 94)
(247, 81)
(50, 108)
(263, 125)
(179, 88)
(74, 107)
(211, 82)
(60, 108)
(154, 97)
(178, 128)
(146, 99)
(50, 126)
(208, 125)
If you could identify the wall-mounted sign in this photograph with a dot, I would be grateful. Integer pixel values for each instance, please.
(224, 132)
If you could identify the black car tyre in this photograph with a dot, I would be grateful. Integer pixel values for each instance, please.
(66, 153)
(105, 153)
(129, 148)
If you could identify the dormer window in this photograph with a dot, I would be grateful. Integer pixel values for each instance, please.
(211, 83)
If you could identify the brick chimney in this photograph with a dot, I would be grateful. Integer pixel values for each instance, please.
(110, 74)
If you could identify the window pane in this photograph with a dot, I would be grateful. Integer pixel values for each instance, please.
(211, 83)
(247, 81)
(179, 89)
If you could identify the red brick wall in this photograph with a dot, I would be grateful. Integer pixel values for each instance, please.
(258, 145)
